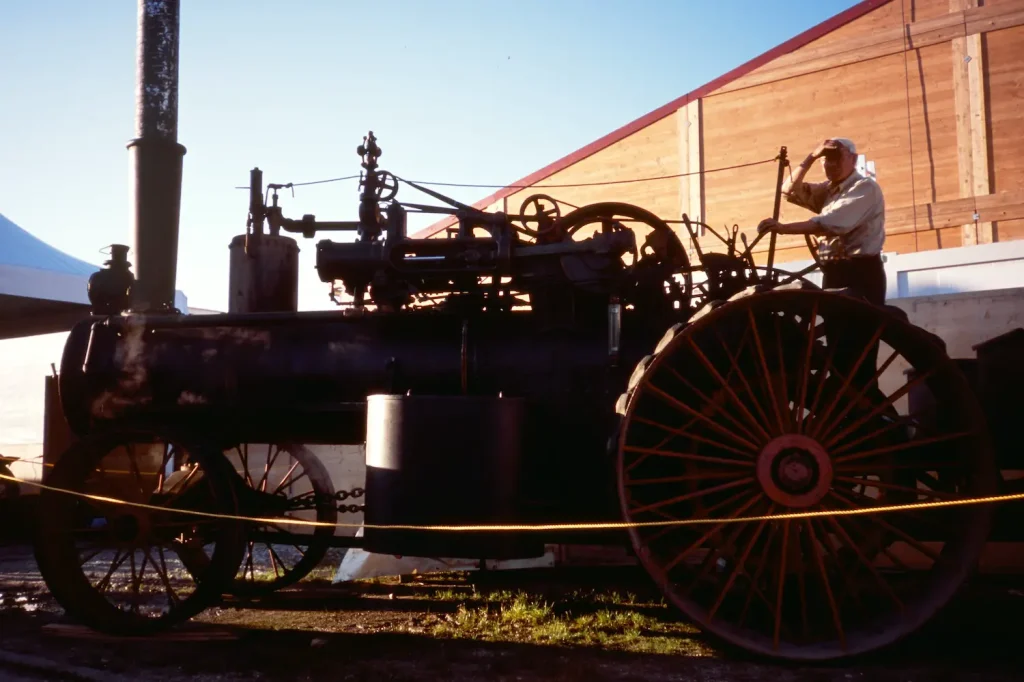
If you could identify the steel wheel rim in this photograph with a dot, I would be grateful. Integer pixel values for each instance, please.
(957, 557)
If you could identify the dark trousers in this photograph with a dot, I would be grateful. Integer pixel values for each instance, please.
(866, 276)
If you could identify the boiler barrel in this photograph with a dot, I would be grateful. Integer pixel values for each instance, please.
(262, 372)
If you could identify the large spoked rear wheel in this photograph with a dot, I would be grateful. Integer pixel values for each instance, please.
(119, 568)
(769, 404)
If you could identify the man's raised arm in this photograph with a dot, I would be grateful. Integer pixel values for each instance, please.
(794, 188)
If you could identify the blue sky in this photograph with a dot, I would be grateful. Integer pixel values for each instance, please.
(475, 91)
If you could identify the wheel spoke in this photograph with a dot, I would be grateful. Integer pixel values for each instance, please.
(766, 376)
(657, 452)
(163, 469)
(820, 381)
(816, 430)
(821, 429)
(688, 496)
(277, 561)
(881, 485)
(709, 511)
(285, 480)
(907, 421)
(739, 566)
(717, 527)
(753, 588)
(697, 415)
(735, 368)
(805, 372)
(114, 565)
(702, 476)
(714, 552)
(836, 618)
(137, 583)
(726, 387)
(930, 553)
(717, 409)
(784, 383)
(92, 556)
(865, 562)
(782, 582)
(746, 454)
(172, 597)
(889, 402)
(180, 487)
(917, 443)
(134, 466)
(243, 455)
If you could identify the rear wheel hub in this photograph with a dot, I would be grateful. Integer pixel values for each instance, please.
(794, 470)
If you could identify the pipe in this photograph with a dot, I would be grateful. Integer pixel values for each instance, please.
(783, 162)
(156, 157)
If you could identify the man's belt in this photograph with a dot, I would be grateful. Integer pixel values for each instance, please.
(852, 258)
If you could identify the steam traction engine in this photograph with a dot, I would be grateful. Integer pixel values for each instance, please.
(531, 368)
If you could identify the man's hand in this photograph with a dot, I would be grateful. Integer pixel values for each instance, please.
(767, 224)
(819, 150)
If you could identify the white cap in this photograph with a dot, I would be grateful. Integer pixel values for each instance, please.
(835, 142)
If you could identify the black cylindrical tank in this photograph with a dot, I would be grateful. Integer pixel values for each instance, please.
(445, 460)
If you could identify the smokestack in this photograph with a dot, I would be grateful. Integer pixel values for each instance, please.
(156, 157)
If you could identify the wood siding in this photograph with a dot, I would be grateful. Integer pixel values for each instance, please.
(930, 117)
(932, 91)
(654, 152)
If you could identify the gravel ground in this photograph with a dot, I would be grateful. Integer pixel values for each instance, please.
(321, 633)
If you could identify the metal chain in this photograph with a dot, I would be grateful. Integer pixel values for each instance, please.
(312, 501)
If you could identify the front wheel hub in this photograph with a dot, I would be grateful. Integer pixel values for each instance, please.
(794, 471)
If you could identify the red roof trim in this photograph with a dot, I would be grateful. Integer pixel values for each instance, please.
(811, 34)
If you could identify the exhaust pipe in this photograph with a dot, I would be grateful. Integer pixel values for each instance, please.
(156, 158)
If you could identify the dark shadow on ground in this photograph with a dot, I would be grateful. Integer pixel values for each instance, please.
(976, 637)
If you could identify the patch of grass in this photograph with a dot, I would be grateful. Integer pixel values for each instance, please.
(526, 618)
(543, 609)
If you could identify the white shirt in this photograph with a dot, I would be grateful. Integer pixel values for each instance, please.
(852, 212)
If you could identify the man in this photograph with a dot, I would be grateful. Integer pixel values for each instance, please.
(850, 217)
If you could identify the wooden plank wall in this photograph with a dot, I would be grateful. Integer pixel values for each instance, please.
(932, 91)
(654, 152)
(931, 117)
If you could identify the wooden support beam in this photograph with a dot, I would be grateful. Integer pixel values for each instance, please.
(982, 185)
(691, 159)
(964, 155)
(971, 123)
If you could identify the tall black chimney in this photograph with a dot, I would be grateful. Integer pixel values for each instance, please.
(156, 157)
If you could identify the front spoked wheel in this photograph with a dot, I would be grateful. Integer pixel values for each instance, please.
(113, 548)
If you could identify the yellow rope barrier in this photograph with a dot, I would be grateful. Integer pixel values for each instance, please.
(279, 521)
